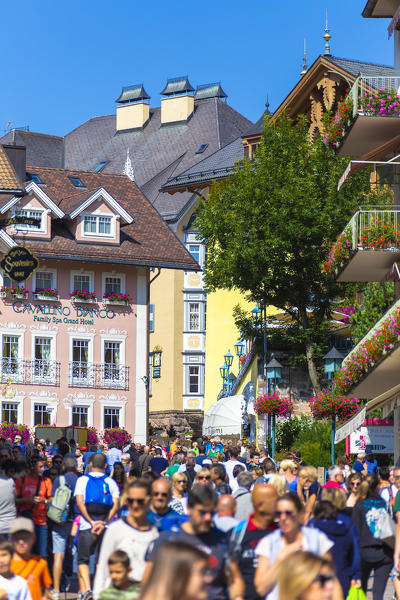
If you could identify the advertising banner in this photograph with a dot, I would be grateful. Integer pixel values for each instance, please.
(377, 439)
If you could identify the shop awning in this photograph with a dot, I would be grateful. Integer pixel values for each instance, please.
(224, 417)
(387, 401)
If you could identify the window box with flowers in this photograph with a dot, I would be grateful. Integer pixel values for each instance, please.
(339, 123)
(13, 291)
(80, 296)
(46, 294)
(115, 298)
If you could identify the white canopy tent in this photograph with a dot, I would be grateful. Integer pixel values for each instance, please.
(224, 417)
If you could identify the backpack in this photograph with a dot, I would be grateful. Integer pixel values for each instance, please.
(98, 498)
(58, 509)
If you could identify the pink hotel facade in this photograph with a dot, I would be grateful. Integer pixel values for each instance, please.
(72, 360)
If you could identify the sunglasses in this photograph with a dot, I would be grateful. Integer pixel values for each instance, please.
(284, 513)
(323, 579)
(162, 494)
(356, 483)
(206, 477)
(203, 513)
(139, 501)
(181, 481)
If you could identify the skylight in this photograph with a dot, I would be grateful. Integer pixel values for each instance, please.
(34, 177)
(101, 166)
(77, 182)
(201, 149)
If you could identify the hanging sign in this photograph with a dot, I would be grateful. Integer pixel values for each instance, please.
(21, 220)
(19, 264)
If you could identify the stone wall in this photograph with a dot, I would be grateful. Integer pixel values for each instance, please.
(181, 421)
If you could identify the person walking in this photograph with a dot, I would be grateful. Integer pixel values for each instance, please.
(376, 556)
(305, 576)
(132, 534)
(224, 519)
(97, 500)
(33, 493)
(291, 536)
(113, 455)
(60, 532)
(248, 533)
(225, 578)
(160, 513)
(178, 501)
(243, 497)
(7, 501)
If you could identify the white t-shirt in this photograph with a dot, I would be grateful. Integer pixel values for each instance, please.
(80, 490)
(229, 466)
(16, 587)
(272, 544)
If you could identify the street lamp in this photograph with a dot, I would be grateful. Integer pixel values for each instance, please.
(332, 363)
(224, 374)
(274, 372)
(239, 349)
(228, 359)
(256, 315)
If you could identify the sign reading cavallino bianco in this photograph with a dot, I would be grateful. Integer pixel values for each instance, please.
(19, 264)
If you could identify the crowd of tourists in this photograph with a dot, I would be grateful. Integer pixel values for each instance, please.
(200, 521)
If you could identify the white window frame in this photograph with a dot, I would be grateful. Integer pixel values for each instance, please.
(10, 401)
(81, 405)
(186, 368)
(195, 299)
(84, 273)
(122, 341)
(87, 403)
(3, 275)
(97, 234)
(52, 335)
(122, 277)
(14, 333)
(41, 403)
(27, 228)
(191, 239)
(53, 272)
(107, 406)
(89, 381)
(19, 401)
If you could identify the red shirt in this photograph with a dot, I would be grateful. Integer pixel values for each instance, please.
(29, 487)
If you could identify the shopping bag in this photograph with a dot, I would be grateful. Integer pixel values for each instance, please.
(356, 594)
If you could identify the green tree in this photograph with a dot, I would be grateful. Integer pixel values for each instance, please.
(377, 298)
(269, 228)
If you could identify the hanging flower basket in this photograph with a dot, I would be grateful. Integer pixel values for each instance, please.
(13, 291)
(92, 435)
(327, 404)
(10, 430)
(117, 435)
(273, 404)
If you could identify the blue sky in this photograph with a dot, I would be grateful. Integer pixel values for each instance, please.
(64, 62)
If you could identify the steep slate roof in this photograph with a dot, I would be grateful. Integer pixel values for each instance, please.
(217, 166)
(146, 241)
(155, 148)
(41, 149)
(9, 181)
(355, 67)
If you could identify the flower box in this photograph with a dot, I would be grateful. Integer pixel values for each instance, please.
(79, 296)
(118, 299)
(83, 300)
(13, 292)
(46, 294)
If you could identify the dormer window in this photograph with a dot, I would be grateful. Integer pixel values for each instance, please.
(35, 177)
(101, 166)
(97, 225)
(32, 214)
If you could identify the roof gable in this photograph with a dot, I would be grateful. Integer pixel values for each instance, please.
(112, 203)
(33, 188)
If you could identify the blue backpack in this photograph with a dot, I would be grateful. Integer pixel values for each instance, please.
(98, 498)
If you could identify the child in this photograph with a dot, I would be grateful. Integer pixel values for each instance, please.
(31, 567)
(121, 588)
(12, 587)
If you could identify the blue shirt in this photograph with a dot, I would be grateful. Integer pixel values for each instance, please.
(158, 464)
(358, 467)
(167, 521)
(86, 457)
(372, 467)
(113, 455)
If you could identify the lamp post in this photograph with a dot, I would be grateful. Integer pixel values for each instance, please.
(228, 358)
(224, 374)
(332, 363)
(239, 349)
(274, 375)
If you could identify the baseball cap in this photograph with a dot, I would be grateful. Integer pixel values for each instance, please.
(22, 524)
(361, 455)
(207, 461)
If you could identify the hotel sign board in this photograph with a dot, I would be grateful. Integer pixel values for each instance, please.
(21, 220)
(19, 264)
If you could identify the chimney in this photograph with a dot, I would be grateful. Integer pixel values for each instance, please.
(17, 157)
(133, 111)
(178, 104)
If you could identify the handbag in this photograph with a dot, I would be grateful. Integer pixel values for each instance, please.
(388, 530)
(356, 594)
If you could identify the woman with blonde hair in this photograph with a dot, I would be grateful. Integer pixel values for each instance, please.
(279, 483)
(305, 576)
(308, 489)
(179, 493)
(353, 483)
(179, 573)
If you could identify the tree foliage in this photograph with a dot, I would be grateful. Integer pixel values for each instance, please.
(269, 228)
(377, 298)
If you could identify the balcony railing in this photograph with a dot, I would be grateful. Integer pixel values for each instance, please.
(381, 84)
(35, 372)
(375, 227)
(106, 375)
